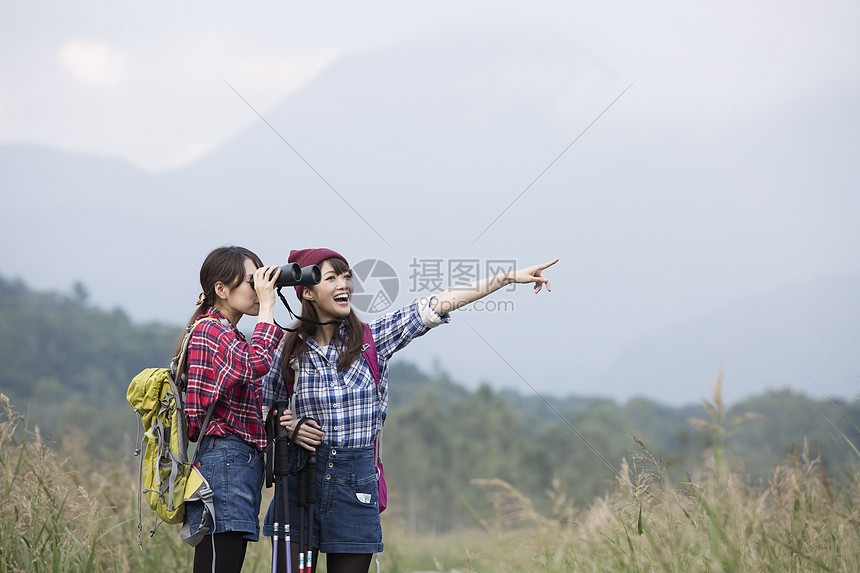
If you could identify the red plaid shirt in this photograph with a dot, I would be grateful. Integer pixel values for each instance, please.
(223, 365)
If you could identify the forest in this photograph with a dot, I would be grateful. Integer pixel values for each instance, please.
(65, 366)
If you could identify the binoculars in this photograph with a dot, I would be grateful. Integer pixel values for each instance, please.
(294, 275)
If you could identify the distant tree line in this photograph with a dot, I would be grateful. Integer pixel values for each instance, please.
(67, 365)
(439, 438)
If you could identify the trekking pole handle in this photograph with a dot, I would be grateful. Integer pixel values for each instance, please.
(282, 441)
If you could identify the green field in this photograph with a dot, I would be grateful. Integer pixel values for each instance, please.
(62, 510)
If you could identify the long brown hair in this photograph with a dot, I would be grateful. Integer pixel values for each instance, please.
(352, 340)
(225, 265)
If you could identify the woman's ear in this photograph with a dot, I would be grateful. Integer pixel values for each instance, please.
(221, 290)
(308, 294)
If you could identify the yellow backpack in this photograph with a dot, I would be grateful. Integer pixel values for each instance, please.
(167, 478)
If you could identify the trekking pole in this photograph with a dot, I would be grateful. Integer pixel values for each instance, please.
(302, 501)
(281, 469)
(285, 508)
(311, 473)
(275, 527)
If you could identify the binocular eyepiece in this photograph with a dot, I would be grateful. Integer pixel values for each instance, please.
(294, 275)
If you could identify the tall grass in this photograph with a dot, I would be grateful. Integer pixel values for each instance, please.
(67, 512)
(714, 521)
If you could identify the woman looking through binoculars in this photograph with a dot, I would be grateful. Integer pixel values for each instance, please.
(225, 369)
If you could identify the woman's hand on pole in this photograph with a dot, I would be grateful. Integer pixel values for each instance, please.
(264, 284)
(309, 435)
(285, 418)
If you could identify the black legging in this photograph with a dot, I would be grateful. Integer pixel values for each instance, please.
(229, 553)
(335, 562)
(348, 562)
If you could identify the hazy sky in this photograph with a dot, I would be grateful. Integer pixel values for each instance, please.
(726, 172)
(142, 81)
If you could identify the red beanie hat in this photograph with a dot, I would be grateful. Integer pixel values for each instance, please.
(307, 257)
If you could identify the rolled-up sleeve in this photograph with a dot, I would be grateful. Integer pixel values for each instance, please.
(429, 316)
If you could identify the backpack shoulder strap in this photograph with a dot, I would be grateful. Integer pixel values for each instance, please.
(180, 362)
(368, 350)
(177, 371)
(288, 375)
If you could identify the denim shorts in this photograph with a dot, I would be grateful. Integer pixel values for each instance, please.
(234, 469)
(346, 514)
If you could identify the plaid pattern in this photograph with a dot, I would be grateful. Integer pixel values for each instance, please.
(345, 403)
(223, 365)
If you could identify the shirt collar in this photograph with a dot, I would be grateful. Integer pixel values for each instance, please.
(217, 314)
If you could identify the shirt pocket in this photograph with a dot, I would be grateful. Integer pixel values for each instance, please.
(356, 375)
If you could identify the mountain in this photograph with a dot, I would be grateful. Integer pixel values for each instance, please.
(489, 147)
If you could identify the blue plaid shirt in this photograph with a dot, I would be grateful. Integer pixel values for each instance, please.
(346, 404)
